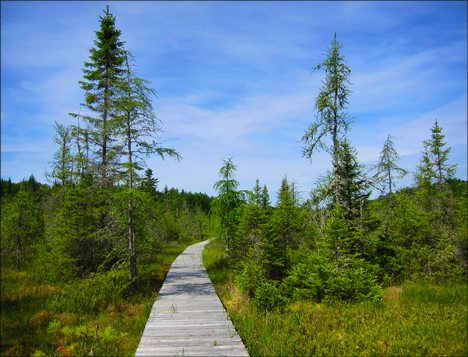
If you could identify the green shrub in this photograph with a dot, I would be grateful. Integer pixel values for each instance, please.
(364, 278)
(307, 281)
(250, 276)
(268, 296)
(316, 279)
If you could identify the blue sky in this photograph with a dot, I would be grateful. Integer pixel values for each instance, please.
(234, 80)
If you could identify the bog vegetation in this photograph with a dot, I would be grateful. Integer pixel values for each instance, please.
(335, 272)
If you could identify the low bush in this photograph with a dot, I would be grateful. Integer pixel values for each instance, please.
(317, 280)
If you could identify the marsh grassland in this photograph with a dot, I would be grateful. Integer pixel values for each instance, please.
(415, 319)
(93, 316)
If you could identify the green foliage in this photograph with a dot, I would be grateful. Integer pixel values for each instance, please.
(354, 188)
(251, 275)
(62, 166)
(268, 297)
(317, 280)
(102, 77)
(227, 202)
(307, 280)
(434, 166)
(252, 233)
(91, 314)
(21, 228)
(330, 103)
(421, 317)
(387, 165)
(148, 183)
(287, 218)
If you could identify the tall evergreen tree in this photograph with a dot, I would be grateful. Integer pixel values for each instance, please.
(437, 156)
(102, 77)
(287, 217)
(149, 183)
(355, 192)
(228, 200)
(387, 170)
(256, 194)
(62, 166)
(353, 185)
(265, 197)
(330, 104)
(432, 176)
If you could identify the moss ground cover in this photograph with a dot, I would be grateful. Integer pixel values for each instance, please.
(414, 319)
(94, 314)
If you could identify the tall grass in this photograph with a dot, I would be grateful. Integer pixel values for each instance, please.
(414, 319)
(95, 314)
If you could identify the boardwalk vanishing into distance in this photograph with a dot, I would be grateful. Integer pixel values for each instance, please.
(187, 318)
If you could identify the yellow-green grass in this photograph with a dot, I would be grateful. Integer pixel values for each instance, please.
(89, 314)
(413, 320)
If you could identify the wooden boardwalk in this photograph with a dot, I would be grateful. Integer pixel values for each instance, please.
(187, 318)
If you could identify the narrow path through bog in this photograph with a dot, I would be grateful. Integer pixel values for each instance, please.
(187, 318)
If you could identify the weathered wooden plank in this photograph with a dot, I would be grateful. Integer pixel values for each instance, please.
(187, 318)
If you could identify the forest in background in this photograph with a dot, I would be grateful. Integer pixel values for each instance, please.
(102, 223)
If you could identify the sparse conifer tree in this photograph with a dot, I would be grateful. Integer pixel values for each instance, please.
(62, 166)
(330, 103)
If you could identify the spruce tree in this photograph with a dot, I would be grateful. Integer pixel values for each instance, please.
(149, 183)
(330, 104)
(433, 174)
(265, 198)
(228, 199)
(443, 170)
(354, 191)
(102, 77)
(287, 217)
(353, 184)
(256, 194)
(9, 189)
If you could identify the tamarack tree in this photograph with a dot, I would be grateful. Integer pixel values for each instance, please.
(387, 170)
(331, 118)
(137, 122)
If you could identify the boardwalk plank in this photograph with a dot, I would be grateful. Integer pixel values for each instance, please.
(187, 318)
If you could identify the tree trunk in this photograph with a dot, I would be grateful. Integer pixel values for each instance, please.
(104, 127)
(131, 223)
(362, 230)
(227, 241)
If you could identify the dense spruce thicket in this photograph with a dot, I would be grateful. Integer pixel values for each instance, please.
(318, 251)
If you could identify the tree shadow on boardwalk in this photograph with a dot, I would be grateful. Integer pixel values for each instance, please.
(191, 289)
